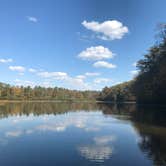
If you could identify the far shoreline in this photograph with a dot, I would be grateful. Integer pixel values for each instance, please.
(66, 101)
(81, 101)
(44, 101)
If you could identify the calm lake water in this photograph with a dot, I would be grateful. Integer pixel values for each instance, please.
(61, 134)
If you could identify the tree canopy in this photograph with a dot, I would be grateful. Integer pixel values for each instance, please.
(8, 92)
(149, 86)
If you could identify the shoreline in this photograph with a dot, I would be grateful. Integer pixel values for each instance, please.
(80, 101)
(44, 101)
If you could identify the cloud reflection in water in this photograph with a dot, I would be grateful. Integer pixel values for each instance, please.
(100, 151)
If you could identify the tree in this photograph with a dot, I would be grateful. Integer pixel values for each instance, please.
(149, 86)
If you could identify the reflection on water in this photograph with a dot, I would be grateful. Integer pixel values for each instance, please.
(95, 152)
(81, 134)
(153, 142)
(100, 150)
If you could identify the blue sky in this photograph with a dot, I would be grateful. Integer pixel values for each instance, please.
(76, 44)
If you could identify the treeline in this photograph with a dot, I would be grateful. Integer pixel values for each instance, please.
(8, 92)
(118, 93)
(149, 86)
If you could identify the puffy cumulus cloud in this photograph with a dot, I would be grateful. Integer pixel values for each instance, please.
(62, 79)
(104, 64)
(96, 53)
(32, 19)
(6, 60)
(102, 80)
(92, 74)
(107, 30)
(54, 75)
(76, 82)
(17, 68)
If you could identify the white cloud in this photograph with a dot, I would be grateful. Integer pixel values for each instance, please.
(104, 139)
(81, 77)
(6, 60)
(92, 74)
(32, 19)
(47, 84)
(102, 80)
(107, 30)
(77, 83)
(96, 53)
(32, 70)
(104, 64)
(24, 83)
(54, 75)
(134, 72)
(67, 81)
(32, 84)
(17, 68)
(134, 64)
(87, 74)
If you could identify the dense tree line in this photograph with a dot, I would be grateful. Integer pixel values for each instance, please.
(149, 86)
(118, 93)
(8, 92)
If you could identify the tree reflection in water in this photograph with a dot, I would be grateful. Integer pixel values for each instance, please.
(153, 142)
(149, 122)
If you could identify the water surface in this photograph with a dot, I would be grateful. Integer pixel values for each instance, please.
(83, 134)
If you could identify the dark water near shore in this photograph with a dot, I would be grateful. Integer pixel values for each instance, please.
(82, 134)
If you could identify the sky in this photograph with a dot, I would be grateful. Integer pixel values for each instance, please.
(76, 44)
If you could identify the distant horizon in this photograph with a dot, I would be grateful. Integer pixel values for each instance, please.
(78, 45)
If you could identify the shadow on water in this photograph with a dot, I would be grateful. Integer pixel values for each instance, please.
(153, 142)
(148, 121)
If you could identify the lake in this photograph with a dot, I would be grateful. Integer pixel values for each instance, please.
(82, 134)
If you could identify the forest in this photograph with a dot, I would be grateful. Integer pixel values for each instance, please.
(149, 86)
(8, 92)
